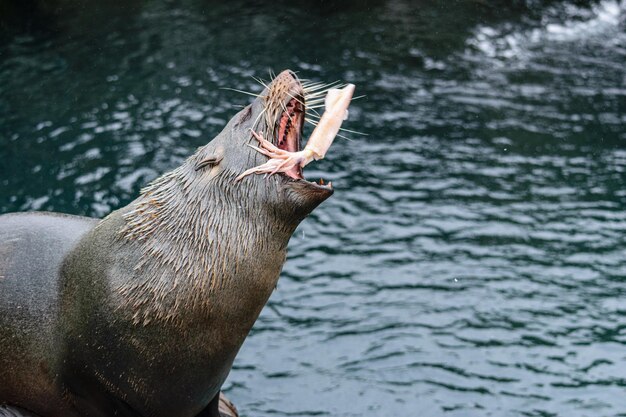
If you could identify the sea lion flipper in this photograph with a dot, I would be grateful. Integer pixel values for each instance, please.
(227, 409)
(220, 406)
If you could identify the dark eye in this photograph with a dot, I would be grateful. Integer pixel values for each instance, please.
(210, 161)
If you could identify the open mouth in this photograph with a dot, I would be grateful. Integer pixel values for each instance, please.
(289, 131)
(285, 114)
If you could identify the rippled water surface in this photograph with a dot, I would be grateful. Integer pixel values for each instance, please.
(472, 261)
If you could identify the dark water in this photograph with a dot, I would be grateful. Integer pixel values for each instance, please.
(473, 259)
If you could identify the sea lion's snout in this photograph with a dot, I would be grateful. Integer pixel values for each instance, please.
(278, 115)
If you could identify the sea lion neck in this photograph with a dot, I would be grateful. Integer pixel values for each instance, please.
(193, 237)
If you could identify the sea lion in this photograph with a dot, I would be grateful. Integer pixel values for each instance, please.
(142, 313)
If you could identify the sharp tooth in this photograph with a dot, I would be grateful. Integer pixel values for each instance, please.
(330, 184)
(321, 181)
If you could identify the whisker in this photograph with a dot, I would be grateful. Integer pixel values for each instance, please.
(326, 85)
(317, 114)
(242, 92)
(356, 132)
(318, 94)
(282, 105)
(318, 103)
(334, 84)
(260, 81)
(312, 86)
(315, 102)
(345, 137)
(295, 98)
(270, 117)
(317, 117)
(321, 96)
(257, 119)
(338, 134)
(316, 88)
(310, 82)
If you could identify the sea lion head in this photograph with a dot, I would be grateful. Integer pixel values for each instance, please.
(278, 113)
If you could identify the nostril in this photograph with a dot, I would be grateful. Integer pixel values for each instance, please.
(287, 74)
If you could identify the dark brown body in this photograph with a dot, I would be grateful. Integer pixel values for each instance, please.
(143, 312)
(32, 250)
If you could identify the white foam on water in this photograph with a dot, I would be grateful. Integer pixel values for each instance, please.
(606, 17)
(600, 23)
